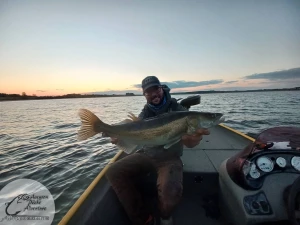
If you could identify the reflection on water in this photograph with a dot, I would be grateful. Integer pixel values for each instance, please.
(38, 137)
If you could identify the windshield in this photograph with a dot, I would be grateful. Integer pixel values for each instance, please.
(279, 138)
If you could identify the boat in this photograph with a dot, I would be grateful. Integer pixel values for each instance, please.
(220, 186)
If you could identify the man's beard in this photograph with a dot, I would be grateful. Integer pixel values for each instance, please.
(154, 97)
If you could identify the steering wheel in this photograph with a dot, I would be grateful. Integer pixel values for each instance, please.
(292, 192)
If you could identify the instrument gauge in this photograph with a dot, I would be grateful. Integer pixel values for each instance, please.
(281, 162)
(265, 164)
(254, 173)
(296, 162)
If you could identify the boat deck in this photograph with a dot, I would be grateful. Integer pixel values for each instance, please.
(201, 166)
(200, 182)
(213, 150)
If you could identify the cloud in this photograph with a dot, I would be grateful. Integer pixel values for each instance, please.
(59, 89)
(40, 90)
(186, 84)
(277, 75)
(231, 82)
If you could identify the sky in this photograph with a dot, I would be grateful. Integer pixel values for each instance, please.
(60, 47)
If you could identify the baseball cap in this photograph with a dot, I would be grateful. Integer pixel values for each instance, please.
(150, 81)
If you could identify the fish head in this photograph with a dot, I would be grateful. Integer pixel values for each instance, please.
(206, 119)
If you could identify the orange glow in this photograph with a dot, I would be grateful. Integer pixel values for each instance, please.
(81, 84)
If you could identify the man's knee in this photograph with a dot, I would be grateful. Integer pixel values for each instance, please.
(170, 196)
(112, 172)
(171, 193)
(119, 171)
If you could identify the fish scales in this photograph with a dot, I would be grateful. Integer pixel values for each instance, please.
(165, 131)
(152, 122)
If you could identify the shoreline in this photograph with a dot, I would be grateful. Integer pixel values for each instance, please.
(15, 97)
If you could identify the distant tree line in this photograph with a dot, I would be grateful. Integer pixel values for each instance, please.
(24, 96)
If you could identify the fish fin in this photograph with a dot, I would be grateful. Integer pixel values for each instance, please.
(123, 122)
(191, 130)
(171, 143)
(133, 117)
(127, 147)
(89, 123)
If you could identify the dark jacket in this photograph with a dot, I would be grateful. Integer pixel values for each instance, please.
(147, 112)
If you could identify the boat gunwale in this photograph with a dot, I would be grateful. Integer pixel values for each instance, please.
(237, 132)
(66, 218)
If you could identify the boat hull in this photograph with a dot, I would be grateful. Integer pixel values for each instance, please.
(99, 204)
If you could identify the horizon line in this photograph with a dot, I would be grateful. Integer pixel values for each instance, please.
(134, 94)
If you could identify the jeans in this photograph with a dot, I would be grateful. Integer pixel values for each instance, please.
(123, 173)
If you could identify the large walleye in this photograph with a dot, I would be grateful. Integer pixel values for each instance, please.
(163, 130)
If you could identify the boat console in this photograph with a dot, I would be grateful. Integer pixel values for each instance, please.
(256, 183)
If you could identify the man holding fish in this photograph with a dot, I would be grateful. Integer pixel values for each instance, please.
(154, 141)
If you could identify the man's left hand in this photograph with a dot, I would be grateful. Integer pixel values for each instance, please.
(191, 141)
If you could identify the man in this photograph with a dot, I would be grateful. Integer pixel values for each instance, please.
(166, 163)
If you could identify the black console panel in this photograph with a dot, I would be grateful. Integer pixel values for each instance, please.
(257, 204)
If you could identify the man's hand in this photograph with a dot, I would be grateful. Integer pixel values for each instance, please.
(112, 139)
(191, 141)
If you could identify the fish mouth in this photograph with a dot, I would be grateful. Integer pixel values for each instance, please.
(222, 119)
(212, 120)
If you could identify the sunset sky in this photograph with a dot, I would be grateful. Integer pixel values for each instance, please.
(61, 47)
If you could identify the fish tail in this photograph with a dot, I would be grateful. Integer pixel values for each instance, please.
(90, 125)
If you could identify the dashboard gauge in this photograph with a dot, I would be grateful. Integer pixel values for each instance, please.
(254, 173)
(281, 162)
(265, 164)
(296, 162)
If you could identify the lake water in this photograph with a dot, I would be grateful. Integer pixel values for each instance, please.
(38, 137)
